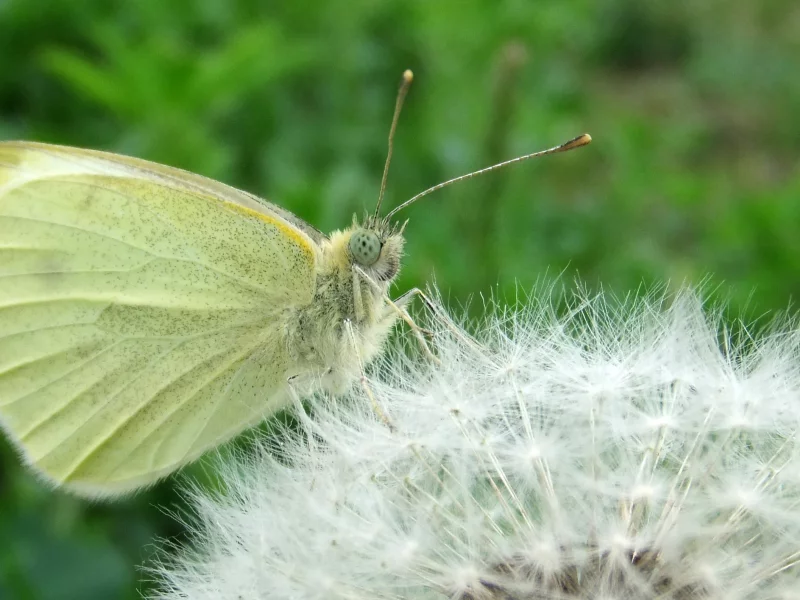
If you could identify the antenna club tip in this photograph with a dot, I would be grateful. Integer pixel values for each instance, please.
(408, 76)
(581, 140)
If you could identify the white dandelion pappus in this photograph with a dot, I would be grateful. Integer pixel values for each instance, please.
(625, 451)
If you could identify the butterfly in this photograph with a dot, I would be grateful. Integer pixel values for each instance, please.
(148, 314)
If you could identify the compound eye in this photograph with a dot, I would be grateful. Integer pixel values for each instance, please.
(365, 247)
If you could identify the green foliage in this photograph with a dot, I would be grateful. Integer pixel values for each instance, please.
(694, 170)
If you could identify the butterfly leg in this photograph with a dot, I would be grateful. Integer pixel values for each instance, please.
(403, 301)
(406, 298)
(398, 308)
(365, 382)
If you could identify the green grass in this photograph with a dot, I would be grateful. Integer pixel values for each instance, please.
(693, 174)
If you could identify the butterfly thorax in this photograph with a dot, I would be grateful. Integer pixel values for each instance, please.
(349, 318)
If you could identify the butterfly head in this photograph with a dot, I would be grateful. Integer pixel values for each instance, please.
(376, 247)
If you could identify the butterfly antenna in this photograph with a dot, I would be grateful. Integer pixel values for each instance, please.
(577, 142)
(408, 77)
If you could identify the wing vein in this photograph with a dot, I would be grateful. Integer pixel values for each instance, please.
(227, 275)
(99, 445)
(76, 228)
(223, 396)
(60, 377)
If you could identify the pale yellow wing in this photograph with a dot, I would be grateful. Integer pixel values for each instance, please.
(141, 311)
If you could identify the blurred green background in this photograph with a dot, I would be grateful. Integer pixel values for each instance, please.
(694, 107)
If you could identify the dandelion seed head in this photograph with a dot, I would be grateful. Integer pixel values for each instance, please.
(624, 451)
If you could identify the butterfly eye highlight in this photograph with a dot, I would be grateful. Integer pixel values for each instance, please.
(365, 247)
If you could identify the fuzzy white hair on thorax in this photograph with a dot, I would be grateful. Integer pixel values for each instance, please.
(623, 451)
